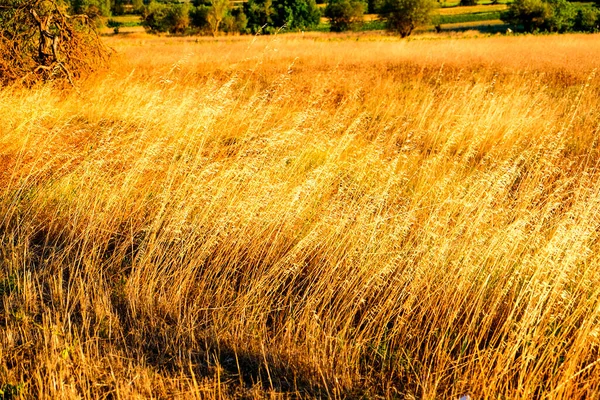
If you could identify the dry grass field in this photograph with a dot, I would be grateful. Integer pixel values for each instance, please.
(306, 216)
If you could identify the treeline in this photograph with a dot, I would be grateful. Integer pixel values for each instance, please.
(267, 16)
(553, 16)
(214, 16)
(254, 16)
(209, 16)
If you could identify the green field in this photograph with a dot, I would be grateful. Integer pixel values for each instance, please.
(472, 9)
(460, 18)
(127, 20)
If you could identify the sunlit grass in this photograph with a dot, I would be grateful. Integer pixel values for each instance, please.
(306, 215)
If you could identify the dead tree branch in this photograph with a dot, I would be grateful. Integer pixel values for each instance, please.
(40, 41)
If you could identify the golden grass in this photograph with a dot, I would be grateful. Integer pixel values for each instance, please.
(306, 216)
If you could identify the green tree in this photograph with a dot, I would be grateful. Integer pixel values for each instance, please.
(374, 6)
(217, 13)
(179, 18)
(199, 17)
(532, 14)
(296, 14)
(92, 8)
(260, 15)
(235, 22)
(161, 17)
(403, 16)
(154, 17)
(562, 17)
(117, 7)
(587, 20)
(138, 6)
(293, 14)
(544, 15)
(345, 14)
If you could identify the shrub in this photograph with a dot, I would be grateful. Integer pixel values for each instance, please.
(345, 14)
(468, 2)
(403, 16)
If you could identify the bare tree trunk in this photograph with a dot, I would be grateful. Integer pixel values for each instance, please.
(48, 47)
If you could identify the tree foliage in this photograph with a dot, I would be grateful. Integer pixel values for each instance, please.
(260, 14)
(296, 14)
(403, 16)
(373, 6)
(587, 20)
(164, 17)
(542, 15)
(41, 41)
(345, 14)
(235, 21)
(217, 13)
(92, 8)
(202, 17)
(269, 15)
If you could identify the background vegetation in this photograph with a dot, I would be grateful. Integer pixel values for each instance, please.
(345, 14)
(308, 216)
(216, 17)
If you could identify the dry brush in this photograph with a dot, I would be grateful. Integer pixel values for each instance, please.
(40, 41)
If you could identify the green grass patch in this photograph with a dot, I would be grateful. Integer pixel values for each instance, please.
(450, 4)
(373, 25)
(126, 21)
(472, 9)
(474, 17)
